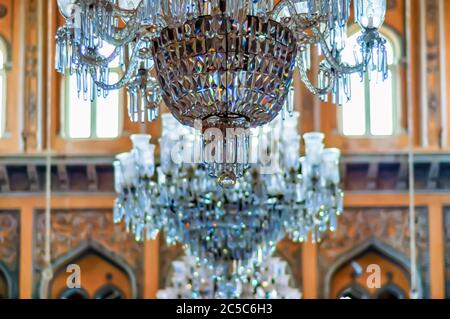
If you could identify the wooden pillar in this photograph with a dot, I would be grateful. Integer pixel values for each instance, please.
(151, 268)
(26, 253)
(437, 250)
(309, 269)
(447, 63)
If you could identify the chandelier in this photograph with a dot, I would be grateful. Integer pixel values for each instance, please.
(225, 65)
(191, 280)
(281, 194)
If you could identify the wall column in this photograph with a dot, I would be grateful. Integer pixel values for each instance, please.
(309, 269)
(437, 250)
(151, 268)
(26, 253)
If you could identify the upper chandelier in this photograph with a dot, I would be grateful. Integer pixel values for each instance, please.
(221, 64)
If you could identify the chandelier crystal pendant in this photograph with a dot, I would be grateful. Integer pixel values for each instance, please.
(191, 280)
(231, 228)
(217, 64)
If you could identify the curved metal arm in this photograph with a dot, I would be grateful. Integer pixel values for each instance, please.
(311, 87)
(126, 77)
(335, 64)
(98, 60)
(122, 36)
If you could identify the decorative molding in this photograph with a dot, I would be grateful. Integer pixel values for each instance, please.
(26, 175)
(72, 229)
(31, 77)
(443, 74)
(431, 69)
(389, 173)
(389, 226)
(87, 175)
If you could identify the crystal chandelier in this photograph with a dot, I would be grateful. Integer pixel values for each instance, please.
(220, 64)
(191, 280)
(283, 193)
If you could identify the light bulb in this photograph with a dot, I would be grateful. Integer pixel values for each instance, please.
(67, 8)
(370, 14)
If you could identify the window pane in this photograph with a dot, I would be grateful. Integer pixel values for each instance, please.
(78, 113)
(351, 45)
(2, 91)
(108, 112)
(2, 99)
(354, 111)
(381, 107)
(390, 52)
(108, 49)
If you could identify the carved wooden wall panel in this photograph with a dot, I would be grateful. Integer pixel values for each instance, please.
(70, 229)
(388, 225)
(431, 73)
(30, 132)
(10, 248)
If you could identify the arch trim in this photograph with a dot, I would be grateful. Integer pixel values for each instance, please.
(94, 246)
(377, 245)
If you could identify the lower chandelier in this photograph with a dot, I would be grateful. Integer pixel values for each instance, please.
(232, 228)
(189, 280)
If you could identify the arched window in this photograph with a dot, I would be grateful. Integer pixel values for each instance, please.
(100, 119)
(374, 107)
(109, 292)
(3, 57)
(74, 294)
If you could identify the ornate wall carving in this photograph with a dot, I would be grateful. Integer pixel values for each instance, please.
(10, 249)
(388, 225)
(70, 229)
(432, 74)
(31, 112)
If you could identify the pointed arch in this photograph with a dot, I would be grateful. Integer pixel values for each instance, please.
(96, 248)
(381, 248)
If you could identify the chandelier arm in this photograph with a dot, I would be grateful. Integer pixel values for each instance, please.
(303, 21)
(130, 31)
(311, 87)
(118, 85)
(133, 27)
(342, 68)
(126, 77)
(119, 11)
(97, 60)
